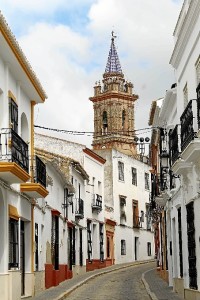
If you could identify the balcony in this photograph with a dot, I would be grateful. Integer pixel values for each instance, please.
(36, 189)
(189, 135)
(190, 142)
(96, 202)
(79, 208)
(189, 124)
(136, 221)
(174, 144)
(14, 157)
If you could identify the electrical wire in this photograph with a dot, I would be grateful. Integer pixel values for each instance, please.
(88, 133)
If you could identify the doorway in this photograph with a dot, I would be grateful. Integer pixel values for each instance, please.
(22, 257)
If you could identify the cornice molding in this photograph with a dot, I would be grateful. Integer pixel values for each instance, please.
(185, 32)
(23, 61)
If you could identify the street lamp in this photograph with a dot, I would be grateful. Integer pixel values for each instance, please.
(141, 142)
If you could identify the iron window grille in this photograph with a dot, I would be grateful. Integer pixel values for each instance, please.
(89, 240)
(191, 246)
(40, 171)
(79, 208)
(74, 246)
(122, 210)
(97, 202)
(13, 109)
(55, 242)
(146, 180)
(123, 247)
(180, 242)
(134, 176)
(13, 243)
(101, 244)
(148, 248)
(148, 217)
(121, 171)
(81, 246)
(36, 248)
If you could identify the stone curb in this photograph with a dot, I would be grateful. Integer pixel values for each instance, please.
(69, 291)
(151, 294)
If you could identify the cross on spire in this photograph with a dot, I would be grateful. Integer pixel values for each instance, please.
(113, 64)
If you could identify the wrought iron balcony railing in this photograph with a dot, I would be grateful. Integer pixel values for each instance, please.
(13, 148)
(96, 202)
(174, 144)
(198, 105)
(79, 208)
(188, 123)
(136, 221)
(40, 171)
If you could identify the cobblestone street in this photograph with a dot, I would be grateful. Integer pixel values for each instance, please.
(123, 284)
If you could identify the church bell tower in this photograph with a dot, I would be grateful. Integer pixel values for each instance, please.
(113, 104)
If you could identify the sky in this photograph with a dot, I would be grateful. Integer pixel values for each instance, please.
(67, 44)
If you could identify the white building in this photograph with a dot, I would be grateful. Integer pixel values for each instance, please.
(60, 225)
(93, 236)
(180, 117)
(129, 234)
(20, 182)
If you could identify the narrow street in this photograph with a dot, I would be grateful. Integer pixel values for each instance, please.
(123, 284)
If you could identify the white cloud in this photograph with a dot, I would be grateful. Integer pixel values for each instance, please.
(43, 6)
(68, 62)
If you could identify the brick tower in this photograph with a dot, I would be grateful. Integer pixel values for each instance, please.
(113, 104)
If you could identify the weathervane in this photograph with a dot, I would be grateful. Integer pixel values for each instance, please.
(113, 36)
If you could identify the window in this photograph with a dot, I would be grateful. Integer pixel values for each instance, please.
(101, 246)
(36, 248)
(123, 118)
(148, 248)
(122, 210)
(89, 239)
(148, 217)
(123, 247)
(197, 65)
(13, 107)
(136, 219)
(121, 170)
(13, 244)
(55, 241)
(105, 123)
(146, 180)
(185, 95)
(134, 176)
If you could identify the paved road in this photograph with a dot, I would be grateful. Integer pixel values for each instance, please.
(124, 284)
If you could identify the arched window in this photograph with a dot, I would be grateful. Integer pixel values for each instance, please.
(123, 118)
(105, 122)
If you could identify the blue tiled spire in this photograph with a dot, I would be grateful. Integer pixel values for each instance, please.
(113, 64)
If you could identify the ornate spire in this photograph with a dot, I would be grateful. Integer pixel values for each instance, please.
(113, 64)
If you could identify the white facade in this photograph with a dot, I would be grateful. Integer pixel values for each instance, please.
(20, 90)
(132, 231)
(181, 109)
(66, 182)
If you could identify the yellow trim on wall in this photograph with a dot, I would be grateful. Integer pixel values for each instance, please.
(34, 187)
(20, 60)
(15, 169)
(32, 139)
(10, 95)
(13, 212)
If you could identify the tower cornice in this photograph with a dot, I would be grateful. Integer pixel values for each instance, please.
(114, 95)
